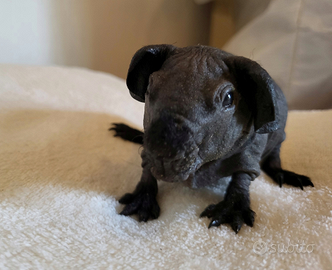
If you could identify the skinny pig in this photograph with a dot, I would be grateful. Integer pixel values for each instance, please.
(208, 115)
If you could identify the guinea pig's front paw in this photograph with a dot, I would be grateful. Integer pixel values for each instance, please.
(229, 212)
(142, 203)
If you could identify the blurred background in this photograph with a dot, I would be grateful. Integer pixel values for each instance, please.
(291, 39)
(104, 34)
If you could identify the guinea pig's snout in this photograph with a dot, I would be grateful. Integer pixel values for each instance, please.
(172, 149)
(168, 137)
(173, 170)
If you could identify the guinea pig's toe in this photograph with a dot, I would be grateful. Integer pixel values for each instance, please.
(249, 217)
(127, 198)
(279, 179)
(143, 204)
(293, 179)
(237, 224)
(226, 212)
(208, 212)
(143, 215)
(306, 181)
(131, 208)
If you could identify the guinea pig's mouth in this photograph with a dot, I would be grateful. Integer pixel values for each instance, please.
(170, 148)
(175, 170)
(170, 176)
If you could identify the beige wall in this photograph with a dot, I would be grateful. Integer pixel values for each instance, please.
(229, 16)
(97, 34)
(222, 22)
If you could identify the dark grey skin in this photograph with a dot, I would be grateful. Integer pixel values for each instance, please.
(208, 115)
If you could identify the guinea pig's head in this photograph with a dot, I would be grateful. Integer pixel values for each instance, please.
(201, 104)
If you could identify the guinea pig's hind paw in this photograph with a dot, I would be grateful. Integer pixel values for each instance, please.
(127, 133)
(143, 204)
(225, 212)
(292, 179)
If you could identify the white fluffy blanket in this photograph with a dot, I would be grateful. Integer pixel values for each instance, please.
(62, 171)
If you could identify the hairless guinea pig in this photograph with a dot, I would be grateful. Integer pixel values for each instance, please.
(208, 115)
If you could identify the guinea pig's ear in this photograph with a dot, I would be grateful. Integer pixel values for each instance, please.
(258, 88)
(145, 61)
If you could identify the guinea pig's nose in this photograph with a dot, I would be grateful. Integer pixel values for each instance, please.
(167, 136)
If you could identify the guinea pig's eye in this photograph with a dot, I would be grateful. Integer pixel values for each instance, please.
(228, 100)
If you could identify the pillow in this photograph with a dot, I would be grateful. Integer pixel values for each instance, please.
(292, 40)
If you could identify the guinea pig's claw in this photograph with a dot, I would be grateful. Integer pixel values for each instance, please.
(280, 179)
(228, 212)
(237, 224)
(214, 223)
(292, 179)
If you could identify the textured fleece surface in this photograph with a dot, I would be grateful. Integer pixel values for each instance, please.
(62, 171)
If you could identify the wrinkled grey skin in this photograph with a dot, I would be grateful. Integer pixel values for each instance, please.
(218, 137)
(191, 132)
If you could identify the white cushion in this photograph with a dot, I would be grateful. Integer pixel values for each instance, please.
(292, 40)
